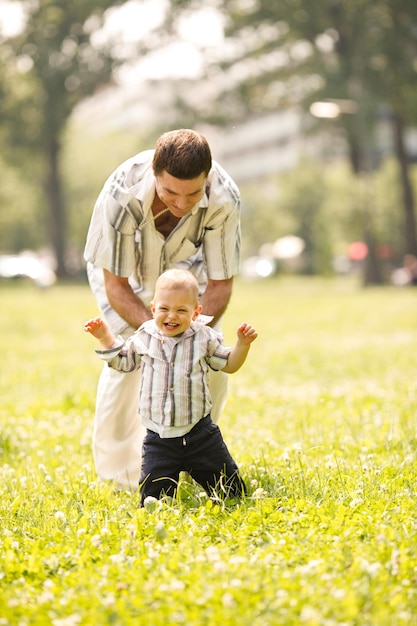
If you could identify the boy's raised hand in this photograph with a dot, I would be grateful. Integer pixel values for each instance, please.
(246, 333)
(96, 327)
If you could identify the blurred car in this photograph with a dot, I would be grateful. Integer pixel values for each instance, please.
(28, 265)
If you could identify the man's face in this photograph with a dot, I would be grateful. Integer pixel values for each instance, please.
(179, 195)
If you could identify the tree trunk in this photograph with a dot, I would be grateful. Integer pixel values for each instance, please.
(361, 165)
(407, 189)
(55, 206)
(372, 271)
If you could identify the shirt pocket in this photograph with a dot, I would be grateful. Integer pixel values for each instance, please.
(185, 250)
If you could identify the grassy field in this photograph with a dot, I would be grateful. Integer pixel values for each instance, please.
(322, 422)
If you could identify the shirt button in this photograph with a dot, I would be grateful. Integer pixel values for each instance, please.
(171, 388)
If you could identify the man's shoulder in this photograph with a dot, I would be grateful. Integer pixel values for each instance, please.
(136, 167)
(220, 182)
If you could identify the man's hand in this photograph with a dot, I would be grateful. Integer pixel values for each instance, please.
(216, 298)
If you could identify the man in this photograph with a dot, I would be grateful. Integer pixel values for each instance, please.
(163, 208)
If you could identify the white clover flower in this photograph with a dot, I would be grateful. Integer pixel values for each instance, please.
(259, 493)
(60, 515)
(109, 600)
(254, 483)
(236, 559)
(228, 600)
(219, 566)
(177, 585)
(118, 558)
(45, 596)
(48, 584)
(160, 531)
(370, 568)
(150, 504)
(212, 554)
(310, 614)
(96, 540)
(52, 562)
(285, 456)
(310, 566)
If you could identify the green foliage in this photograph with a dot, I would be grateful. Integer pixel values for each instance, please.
(22, 222)
(88, 159)
(295, 53)
(45, 71)
(321, 419)
(329, 49)
(324, 206)
(53, 66)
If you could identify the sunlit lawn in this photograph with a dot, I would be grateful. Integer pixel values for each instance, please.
(322, 422)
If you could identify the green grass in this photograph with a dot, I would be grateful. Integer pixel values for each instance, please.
(322, 422)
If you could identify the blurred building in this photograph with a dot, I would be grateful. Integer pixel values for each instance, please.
(264, 144)
(253, 149)
(259, 146)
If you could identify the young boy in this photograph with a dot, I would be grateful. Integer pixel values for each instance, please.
(175, 351)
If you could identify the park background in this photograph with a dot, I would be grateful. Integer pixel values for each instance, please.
(311, 105)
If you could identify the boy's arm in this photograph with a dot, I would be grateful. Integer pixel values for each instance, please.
(99, 329)
(121, 356)
(245, 335)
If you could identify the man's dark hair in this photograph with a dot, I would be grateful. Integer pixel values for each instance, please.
(182, 153)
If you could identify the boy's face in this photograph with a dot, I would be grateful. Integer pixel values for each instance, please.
(173, 309)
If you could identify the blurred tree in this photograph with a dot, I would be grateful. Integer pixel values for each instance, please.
(45, 71)
(361, 54)
(96, 154)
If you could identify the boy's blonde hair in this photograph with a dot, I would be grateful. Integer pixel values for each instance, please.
(178, 279)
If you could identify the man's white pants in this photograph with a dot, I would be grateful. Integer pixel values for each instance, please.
(118, 432)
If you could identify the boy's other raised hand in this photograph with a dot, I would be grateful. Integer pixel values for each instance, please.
(246, 333)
